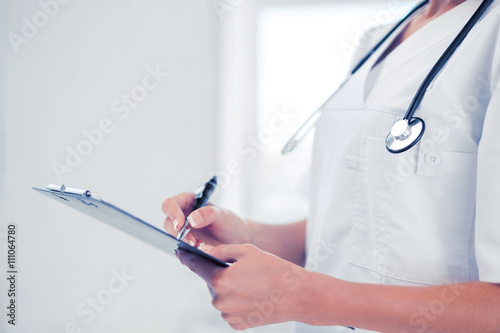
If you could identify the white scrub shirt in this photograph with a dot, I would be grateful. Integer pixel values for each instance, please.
(430, 215)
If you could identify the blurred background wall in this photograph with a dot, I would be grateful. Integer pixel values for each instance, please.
(139, 101)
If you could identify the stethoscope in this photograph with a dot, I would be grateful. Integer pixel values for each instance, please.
(406, 132)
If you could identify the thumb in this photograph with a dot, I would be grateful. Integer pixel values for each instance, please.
(205, 248)
(228, 253)
(205, 216)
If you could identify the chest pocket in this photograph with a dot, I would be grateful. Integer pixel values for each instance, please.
(414, 212)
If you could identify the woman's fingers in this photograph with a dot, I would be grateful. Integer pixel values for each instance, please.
(188, 239)
(176, 208)
(210, 224)
(207, 270)
(169, 227)
(205, 248)
(205, 216)
(230, 253)
(191, 240)
(201, 266)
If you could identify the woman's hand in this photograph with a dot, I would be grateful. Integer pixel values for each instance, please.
(257, 289)
(211, 224)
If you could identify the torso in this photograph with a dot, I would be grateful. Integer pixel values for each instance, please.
(406, 219)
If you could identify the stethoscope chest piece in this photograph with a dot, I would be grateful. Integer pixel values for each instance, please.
(407, 132)
(404, 135)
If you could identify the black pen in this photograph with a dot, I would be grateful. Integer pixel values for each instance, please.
(201, 198)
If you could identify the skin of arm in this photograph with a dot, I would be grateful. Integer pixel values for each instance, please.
(259, 288)
(214, 226)
(287, 241)
(465, 307)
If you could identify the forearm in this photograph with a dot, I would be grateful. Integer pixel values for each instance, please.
(467, 307)
(287, 241)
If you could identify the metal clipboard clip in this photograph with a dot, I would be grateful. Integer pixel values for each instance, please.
(71, 190)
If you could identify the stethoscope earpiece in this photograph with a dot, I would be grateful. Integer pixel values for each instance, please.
(404, 135)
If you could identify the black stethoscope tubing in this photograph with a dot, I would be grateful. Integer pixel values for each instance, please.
(415, 126)
(412, 122)
(417, 99)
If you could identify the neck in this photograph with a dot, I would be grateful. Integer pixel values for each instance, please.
(438, 7)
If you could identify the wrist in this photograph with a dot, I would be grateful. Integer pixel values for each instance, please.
(236, 229)
(323, 300)
(250, 231)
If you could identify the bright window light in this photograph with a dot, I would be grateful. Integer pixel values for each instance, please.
(303, 53)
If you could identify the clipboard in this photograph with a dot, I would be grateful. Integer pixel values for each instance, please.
(93, 205)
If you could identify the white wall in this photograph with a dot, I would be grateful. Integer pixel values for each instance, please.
(63, 81)
(310, 61)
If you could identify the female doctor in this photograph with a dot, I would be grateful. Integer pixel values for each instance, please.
(405, 242)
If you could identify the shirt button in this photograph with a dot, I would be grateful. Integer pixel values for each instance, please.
(432, 159)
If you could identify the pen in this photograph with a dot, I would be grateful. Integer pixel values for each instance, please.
(201, 198)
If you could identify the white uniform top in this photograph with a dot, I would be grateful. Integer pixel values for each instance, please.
(430, 215)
